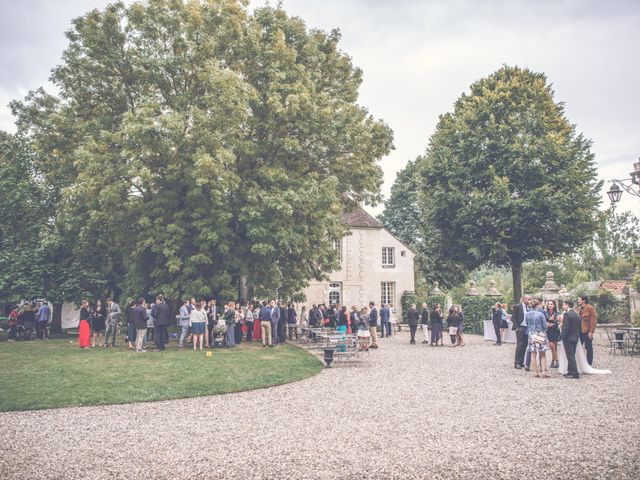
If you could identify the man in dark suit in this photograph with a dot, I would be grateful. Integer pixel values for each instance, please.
(162, 321)
(412, 319)
(385, 321)
(519, 326)
(571, 326)
(212, 320)
(282, 323)
(496, 318)
(373, 324)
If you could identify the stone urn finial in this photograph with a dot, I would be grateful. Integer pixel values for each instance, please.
(550, 291)
(472, 289)
(550, 284)
(436, 288)
(493, 291)
(563, 290)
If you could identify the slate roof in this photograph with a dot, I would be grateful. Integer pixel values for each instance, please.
(359, 218)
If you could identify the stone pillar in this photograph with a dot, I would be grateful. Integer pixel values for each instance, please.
(634, 294)
(550, 291)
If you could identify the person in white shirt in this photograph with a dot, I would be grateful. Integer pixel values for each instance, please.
(198, 322)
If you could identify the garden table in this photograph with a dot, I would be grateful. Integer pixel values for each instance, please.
(634, 339)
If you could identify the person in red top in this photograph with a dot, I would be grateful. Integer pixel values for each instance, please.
(589, 319)
(13, 322)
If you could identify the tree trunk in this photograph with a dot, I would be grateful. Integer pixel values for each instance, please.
(243, 291)
(56, 318)
(516, 274)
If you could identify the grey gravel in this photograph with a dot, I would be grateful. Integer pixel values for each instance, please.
(413, 412)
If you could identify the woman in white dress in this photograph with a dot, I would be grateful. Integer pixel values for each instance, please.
(581, 362)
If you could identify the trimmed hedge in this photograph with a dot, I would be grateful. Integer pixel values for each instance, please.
(435, 299)
(476, 310)
(406, 300)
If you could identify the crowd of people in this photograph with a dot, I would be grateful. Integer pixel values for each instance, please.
(205, 324)
(27, 317)
(539, 327)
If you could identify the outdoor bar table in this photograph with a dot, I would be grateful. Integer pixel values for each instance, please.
(634, 336)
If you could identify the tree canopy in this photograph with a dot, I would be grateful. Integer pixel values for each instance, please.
(194, 143)
(506, 178)
(403, 217)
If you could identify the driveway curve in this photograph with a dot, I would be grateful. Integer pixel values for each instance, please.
(412, 412)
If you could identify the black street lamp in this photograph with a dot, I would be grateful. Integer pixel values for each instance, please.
(615, 192)
(627, 184)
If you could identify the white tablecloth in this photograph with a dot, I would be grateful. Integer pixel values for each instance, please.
(490, 334)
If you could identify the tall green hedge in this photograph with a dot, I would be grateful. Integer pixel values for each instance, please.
(476, 309)
(406, 300)
(435, 299)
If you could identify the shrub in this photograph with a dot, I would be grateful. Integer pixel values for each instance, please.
(432, 300)
(406, 300)
(476, 310)
(609, 307)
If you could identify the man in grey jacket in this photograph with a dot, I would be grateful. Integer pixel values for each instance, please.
(113, 319)
(275, 317)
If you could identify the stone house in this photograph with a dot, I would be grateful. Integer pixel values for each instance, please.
(374, 266)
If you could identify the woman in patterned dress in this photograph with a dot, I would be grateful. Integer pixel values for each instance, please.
(538, 342)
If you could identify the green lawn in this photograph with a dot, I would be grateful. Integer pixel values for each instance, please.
(57, 373)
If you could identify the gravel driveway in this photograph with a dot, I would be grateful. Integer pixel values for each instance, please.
(413, 412)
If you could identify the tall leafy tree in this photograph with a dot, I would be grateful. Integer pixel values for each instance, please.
(507, 178)
(194, 144)
(24, 207)
(36, 257)
(403, 217)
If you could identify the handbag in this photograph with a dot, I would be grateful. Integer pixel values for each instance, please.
(453, 330)
(538, 337)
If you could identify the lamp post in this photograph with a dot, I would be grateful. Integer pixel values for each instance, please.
(629, 185)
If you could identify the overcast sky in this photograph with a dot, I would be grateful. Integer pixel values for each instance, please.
(418, 57)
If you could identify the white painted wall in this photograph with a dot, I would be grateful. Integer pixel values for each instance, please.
(362, 272)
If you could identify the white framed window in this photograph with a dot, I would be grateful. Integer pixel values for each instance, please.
(337, 246)
(388, 257)
(388, 294)
(335, 293)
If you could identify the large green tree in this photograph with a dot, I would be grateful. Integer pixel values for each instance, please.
(37, 259)
(506, 177)
(403, 217)
(193, 144)
(24, 207)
